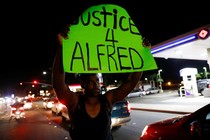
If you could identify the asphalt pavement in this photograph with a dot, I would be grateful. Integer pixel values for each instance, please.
(168, 101)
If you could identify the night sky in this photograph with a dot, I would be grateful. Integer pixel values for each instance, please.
(28, 30)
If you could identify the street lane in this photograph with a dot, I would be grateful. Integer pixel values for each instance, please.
(41, 123)
(36, 126)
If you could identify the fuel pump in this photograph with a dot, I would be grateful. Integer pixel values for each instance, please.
(189, 80)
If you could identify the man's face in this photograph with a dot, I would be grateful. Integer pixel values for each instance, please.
(92, 86)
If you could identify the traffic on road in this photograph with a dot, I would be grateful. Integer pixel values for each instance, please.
(43, 120)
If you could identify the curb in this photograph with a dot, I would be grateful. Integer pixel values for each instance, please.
(162, 111)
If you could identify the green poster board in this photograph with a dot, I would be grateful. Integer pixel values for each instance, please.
(105, 40)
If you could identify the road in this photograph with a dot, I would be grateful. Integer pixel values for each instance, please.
(36, 126)
(41, 124)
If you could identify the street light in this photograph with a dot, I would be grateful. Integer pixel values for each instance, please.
(146, 80)
(44, 72)
(160, 80)
(45, 75)
(160, 70)
(205, 72)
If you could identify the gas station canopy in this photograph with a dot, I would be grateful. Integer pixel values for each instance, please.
(193, 45)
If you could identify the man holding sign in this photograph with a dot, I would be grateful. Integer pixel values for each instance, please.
(90, 113)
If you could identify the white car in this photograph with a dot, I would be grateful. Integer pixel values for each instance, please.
(152, 90)
(57, 107)
(136, 94)
(48, 103)
(28, 104)
(65, 114)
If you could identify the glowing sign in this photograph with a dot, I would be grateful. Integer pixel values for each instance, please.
(203, 34)
(105, 40)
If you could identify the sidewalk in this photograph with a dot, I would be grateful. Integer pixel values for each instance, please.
(177, 105)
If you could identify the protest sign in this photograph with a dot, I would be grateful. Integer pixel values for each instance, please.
(105, 40)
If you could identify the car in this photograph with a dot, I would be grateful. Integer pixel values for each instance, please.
(28, 104)
(206, 92)
(151, 90)
(65, 114)
(136, 94)
(64, 111)
(48, 103)
(120, 114)
(191, 126)
(202, 84)
(57, 107)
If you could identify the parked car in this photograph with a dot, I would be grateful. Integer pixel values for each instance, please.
(152, 90)
(193, 126)
(120, 114)
(202, 84)
(136, 94)
(206, 92)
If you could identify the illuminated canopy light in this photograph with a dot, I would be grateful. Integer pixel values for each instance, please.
(174, 43)
(178, 52)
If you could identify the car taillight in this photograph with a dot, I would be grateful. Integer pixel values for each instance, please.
(128, 106)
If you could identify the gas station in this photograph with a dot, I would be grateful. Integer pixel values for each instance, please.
(189, 80)
(193, 45)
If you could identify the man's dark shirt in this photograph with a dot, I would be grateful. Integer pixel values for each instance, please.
(85, 127)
